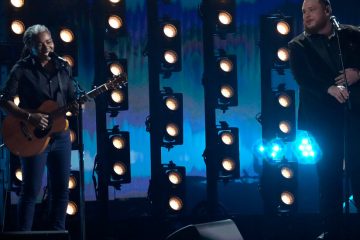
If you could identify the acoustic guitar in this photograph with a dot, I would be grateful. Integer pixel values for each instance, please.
(25, 140)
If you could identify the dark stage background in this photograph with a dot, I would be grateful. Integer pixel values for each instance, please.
(240, 196)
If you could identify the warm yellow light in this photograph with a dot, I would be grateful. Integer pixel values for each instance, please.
(114, 1)
(67, 35)
(18, 174)
(284, 100)
(287, 198)
(172, 103)
(174, 177)
(116, 69)
(225, 17)
(119, 168)
(169, 30)
(68, 114)
(227, 91)
(117, 96)
(115, 22)
(285, 126)
(118, 142)
(72, 182)
(226, 65)
(287, 172)
(283, 28)
(172, 129)
(17, 100)
(170, 56)
(227, 138)
(175, 203)
(17, 3)
(72, 208)
(72, 136)
(18, 27)
(283, 54)
(228, 164)
(69, 60)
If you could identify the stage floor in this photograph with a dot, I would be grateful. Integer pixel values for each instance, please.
(131, 220)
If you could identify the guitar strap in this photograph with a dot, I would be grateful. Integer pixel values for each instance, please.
(61, 88)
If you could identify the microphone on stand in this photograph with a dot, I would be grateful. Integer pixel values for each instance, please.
(53, 55)
(335, 23)
(61, 61)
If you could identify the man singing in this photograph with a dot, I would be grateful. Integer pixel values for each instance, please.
(327, 95)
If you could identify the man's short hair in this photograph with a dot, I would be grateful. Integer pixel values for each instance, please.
(325, 2)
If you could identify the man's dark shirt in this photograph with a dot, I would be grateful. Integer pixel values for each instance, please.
(34, 85)
(315, 64)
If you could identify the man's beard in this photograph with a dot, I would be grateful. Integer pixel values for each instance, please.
(315, 29)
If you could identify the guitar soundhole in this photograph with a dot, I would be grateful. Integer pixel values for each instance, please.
(39, 133)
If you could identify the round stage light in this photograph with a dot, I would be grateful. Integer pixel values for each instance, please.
(283, 54)
(174, 177)
(227, 137)
(117, 96)
(72, 208)
(284, 100)
(17, 100)
(283, 28)
(287, 198)
(18, 174)
(170, 30)
(285, 127)
(170, 56)
(116, 69)
(175, 203)
(119, 168)
(228, 164)
(172, 129)
(287, 172)
(115, 22)
(69, 60)
(227, 91)
(171, 103)
(72, 182)
(225, 17)
(226, 65)
(17, 3)
(72, 136)
(118, 142)
(67, 35)
(18, 27)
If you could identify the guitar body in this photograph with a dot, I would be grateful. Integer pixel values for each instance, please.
(23, 139)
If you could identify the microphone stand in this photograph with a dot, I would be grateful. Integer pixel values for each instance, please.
(346, 126)
(79, 119)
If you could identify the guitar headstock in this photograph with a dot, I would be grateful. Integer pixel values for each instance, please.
(118, 81)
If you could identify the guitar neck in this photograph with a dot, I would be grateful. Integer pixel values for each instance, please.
(91, 94)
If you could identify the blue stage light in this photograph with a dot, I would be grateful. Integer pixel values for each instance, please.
(276, 150)
(306, 149)
(259, 149)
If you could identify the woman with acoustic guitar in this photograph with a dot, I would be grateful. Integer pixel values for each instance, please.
(43, 82)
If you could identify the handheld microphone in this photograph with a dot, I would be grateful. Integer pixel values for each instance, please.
(335, 23)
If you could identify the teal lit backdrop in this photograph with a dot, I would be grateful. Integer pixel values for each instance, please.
(244, 44)
(242, 195)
